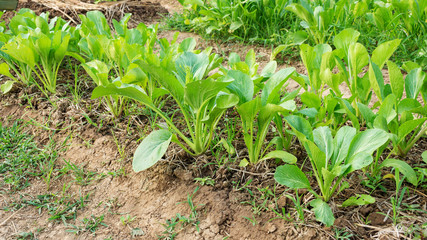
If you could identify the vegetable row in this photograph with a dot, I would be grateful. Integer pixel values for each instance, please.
(130, 65)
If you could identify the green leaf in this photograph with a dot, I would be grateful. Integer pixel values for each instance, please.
(396, 79)
(151, 150)
(407, 127)
(300, 125)
(277, 50)
(323, 139)
(272, 88)
(367, 114)
(384, 51)
(127, 90)
(367, 141)
(312, 100)
(403, 167)
(323, 212)
(424, 156)
(358, 161)
(248, 111)
(291, 176)
(345, 38)
(197, 93)
(341, 144)
(242, 85)
(284, 156)
(358, 200)
(4, 70)
(413, 82)
(7, 86)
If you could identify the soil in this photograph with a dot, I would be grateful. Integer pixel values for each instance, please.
(226, 210)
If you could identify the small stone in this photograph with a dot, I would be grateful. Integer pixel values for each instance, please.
(271, 228)
(214, 228)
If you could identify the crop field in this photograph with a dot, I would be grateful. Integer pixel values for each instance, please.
(219, 119)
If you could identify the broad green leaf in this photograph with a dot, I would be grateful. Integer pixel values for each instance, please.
(284, 156)
(224, 101)
(396, 79)
(387, 108)
(403, 167)
(187, 45)
(329, 176)
(409, 66)
(151, 150)
(277, 50)
(269, 69)
(271, 90)
(413, 82)
(291, 176)
(408, 126)
(424, 156)
(7, 86)
(317, 156)
(367, 114)
(302, 13)
(367, 141)
(323, 212)
(358, 200)
(127, 90)
(345, 38)
(384, 51)
(198, 92)
(311, 99)
(300, 125)
(195, 63)
(377, 81)
(408, 104)
(341, 144)
(242, 85)
(358, 161)
(4, 70)
(166, 79)
(359, 58)
(323, 139)
(98, 71)
(248, 112)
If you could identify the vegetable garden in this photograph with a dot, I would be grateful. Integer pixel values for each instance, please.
(104, 127)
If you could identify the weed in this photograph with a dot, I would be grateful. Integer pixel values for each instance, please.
(205, 181)
(125, 220)
(58, 207)
(80, 176)
(342, 234)
(23, 159)
(178, 223)
(89, 225)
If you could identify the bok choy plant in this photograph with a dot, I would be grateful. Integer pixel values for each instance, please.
(404, 118)
(332, 159)
(199, 97)
(258, 113)
(39, 46)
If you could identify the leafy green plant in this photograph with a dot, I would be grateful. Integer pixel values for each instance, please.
(403, 117)
(199, 98)
(331, 159)
(253, 21)
(38, 46)
(260, 111)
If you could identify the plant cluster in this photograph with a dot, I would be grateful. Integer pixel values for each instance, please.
(292, 22)
(133, 66)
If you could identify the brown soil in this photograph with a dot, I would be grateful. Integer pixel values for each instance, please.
(159, 194)
(142, 11)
